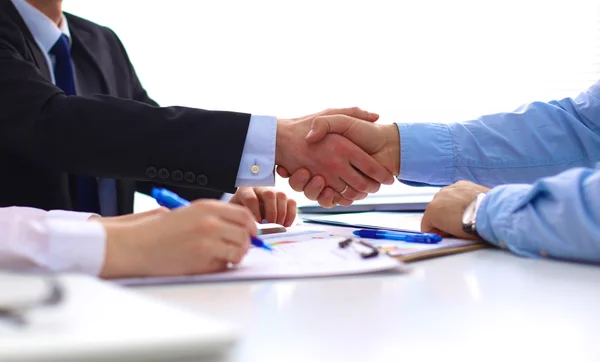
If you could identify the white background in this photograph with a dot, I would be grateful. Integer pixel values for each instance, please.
(410, 61)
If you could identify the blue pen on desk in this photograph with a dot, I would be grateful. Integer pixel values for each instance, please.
(171, 200)
(409, 237)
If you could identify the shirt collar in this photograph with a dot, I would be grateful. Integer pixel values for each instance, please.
(44, 30)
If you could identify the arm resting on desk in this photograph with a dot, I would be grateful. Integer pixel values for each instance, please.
(557, 216)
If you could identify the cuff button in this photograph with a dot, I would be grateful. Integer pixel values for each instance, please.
(190, 177)
(202, 180)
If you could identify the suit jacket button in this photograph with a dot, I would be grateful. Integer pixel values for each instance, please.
(163, 173)
(190, 177)
(151, 172)
(177, 175)
(202, 180)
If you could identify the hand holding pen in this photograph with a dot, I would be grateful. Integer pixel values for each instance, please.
(171, 200)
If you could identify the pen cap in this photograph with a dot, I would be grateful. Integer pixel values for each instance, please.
(366, 233)
(167, 198)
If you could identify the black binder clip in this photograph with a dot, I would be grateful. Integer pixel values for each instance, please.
(365, 250)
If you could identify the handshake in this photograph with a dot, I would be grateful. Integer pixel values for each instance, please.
(337, 156)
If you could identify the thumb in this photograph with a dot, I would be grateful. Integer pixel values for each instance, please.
(323, 125)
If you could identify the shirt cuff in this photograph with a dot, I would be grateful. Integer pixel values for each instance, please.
(257, 165)
(497, 217)
(76, 246)
(70, 215)
(426, 154)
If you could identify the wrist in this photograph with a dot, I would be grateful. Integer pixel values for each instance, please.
(282, 138)
(119, 259)
(392, 147)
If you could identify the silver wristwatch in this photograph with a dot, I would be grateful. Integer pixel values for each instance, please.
(470, 215)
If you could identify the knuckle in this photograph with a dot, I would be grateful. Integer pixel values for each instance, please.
(208, 223)
(269, 194)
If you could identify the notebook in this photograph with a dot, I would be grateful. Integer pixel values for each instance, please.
(99, 321)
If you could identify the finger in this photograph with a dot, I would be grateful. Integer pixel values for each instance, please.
(338, 199)
(299, 179)
(290, 215)
(358, 181)
(351, 194)
(234, 244)
(326, 197)
(281, 171)
(281, 208)
(234, 214)
(211, 266)
(355, 112)
(269, 205)
(323, 125)
(368, 166)
(314, 188)
(250, 200)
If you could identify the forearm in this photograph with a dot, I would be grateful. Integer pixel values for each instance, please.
(537, 140)
(115, 137)
(556, 217)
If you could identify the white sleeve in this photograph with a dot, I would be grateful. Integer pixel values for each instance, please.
(34, 240)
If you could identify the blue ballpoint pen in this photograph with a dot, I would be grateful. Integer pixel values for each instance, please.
(409, 237)
(171, 200)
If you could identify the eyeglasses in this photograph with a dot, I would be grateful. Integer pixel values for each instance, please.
(364, 249)
(21, 293)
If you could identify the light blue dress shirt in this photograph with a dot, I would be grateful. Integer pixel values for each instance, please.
(258, 156)
(551, 147)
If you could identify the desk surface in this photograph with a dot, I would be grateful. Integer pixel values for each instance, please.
(484, 305)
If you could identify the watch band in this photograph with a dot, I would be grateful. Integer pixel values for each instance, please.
(470, 215)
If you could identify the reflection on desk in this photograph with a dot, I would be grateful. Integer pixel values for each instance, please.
(486, 305)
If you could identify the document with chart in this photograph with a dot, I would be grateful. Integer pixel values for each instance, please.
(296, 254)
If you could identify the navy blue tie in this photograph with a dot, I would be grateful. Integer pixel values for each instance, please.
(87, 187)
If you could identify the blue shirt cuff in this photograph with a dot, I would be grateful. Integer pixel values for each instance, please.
(257, 165)
(496, 217)
(426, 154)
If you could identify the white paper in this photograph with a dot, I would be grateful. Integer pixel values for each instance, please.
(297, 254)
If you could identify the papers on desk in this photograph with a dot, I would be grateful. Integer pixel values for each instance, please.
(298, 253)
(397, 221)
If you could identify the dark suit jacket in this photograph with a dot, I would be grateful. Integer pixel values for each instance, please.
(110, 129)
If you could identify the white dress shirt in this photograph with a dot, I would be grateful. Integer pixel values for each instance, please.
(33, 240)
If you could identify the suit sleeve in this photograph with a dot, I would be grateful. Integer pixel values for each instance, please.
(106, 136)
(141, 95)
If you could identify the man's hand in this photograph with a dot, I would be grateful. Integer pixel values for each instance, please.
(343, 165)
(443, 215)
(382, 142)
(201, 238)
(266, 203)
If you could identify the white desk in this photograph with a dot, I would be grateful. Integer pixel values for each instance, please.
(485, 305)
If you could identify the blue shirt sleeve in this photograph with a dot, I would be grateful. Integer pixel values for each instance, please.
(537, 140)
(257, 165)
(556, 217)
